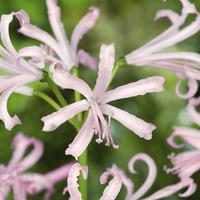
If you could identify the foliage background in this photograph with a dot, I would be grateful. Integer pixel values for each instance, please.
(129, 24)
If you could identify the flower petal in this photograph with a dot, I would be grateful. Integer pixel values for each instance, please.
(171, 15)
(83, 138)
(85, 24)
(86, 59)
(19, 193)
(65, 80)
(172, 189)
(141, 87)
(192, 89)
(114, 185)
(191, 110)
(189, 135)
(138, 126)
(151, 174)
(106, 64)
(52, 121)
(72, 181)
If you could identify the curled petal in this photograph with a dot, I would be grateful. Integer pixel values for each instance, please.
(141, 87)
(191, 110)
(189, 135)
(114, 185)
(172, 189)
(192, 89)
(171, 15)
(106, 64)
(83, 138)
(85, 24)
(151, 174)
(52, 121)
(138, 126)
(65, 80)
(86, 59)
(72, 181)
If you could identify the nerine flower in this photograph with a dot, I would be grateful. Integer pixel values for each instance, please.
(18, 70)
(65, 50)
(116, 178)
(96, 103)
(13, 176)
(184, 64)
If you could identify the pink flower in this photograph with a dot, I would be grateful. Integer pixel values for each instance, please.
(13, 175)
(19, 71)
(96, 103)
(64, 49)
(184, 64)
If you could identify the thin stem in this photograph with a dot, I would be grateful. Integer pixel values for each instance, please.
(46, 98)
(83, 158)
(56, 91)
(121, 62)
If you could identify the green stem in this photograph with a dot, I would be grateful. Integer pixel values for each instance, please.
(83, 158)
(46, 98)
(121, 62)
(56, 91)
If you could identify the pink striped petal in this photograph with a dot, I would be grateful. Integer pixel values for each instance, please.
(192, 89)
(106, 64)
(151, 174)
(138, 126)
(85, 24)
(67, 81)
(86, 59)
(72, 181)
(83, 138)
(189, 135)
(54, 120)
(192, 111)
(172, 189)
(141, 87)
(114, 185)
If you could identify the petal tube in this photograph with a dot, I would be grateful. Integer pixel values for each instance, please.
(83, 138)
(189, 135)
(85, 24)
(138, 126)
(67, 81)
(151, 174)
(86, 59)
(54, 120)
(141, 87)
(106, 64)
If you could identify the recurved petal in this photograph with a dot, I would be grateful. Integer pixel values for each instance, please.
(5, 36)
(191, 110)
(83, 138)
(189, 135)
(86, 59)
(9, 121)
(172, 189)
(106, 64)
(72, 181)
(171, 15)
(85, 24)
(54, 120)
(114, 185)
(192, 89)
(141, 87)
(138, 126)
(67, 81)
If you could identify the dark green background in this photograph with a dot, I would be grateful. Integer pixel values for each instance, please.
(129, 24)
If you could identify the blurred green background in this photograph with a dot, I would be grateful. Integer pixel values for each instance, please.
(129, 24)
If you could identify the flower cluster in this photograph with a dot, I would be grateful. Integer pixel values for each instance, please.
(56, 61)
